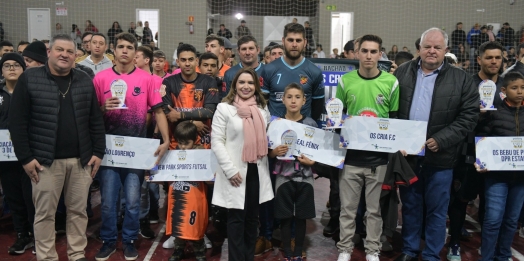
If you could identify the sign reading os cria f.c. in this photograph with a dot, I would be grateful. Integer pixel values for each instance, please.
(383, 135)
(186, 165)
(7, 152)
(130, 152)
(500, 153)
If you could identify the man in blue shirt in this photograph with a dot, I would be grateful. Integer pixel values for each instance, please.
(293, 67)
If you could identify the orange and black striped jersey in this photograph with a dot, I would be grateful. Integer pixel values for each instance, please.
(195, 100)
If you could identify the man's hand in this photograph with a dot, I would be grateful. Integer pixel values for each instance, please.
(32, 168)
(95, 164)
(278, 151)
(111, 103)
(201, 128)
(305, 160)
(404, 153)
(477, 167)
(236, 180)
(432, 144)
(393, 68)
(173, 115)
(161, 151)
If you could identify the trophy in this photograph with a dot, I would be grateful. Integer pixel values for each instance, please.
(487, 91)
(289, 139)
(334, 108)
(119, 90)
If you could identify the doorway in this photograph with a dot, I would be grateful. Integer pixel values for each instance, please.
(341, 31)
(151, 16)
(38, 24)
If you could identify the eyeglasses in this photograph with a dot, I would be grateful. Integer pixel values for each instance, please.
(16, 66)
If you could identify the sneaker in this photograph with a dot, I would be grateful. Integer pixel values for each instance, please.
(145, 229)
(106, 251)
(344, 256)
(454, 253)
(480, 253)
(521, 232)
(262, 246)
(153, 217)
(356, 239)
(208, 242)
(331, 228)
(33, 251)
(130, 252)
(178, 253)
(372, 257)
(22, 243)
(170, 243)
(386, 246)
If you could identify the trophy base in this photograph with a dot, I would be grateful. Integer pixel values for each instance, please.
(332, 127)
(120, 108)
(286, 158)
(488, 109)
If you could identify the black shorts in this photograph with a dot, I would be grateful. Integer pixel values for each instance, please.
(295, 199)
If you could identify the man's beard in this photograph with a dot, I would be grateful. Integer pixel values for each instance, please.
(292, 57)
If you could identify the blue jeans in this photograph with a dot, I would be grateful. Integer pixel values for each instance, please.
(504, 199)
(111, 181)
(432, 189)
(150, 194)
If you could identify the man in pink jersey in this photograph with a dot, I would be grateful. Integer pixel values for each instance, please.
(141, 94)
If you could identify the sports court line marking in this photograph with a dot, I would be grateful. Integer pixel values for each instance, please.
(155, 244)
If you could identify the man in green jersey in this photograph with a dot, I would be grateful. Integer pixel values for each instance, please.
(365, 92)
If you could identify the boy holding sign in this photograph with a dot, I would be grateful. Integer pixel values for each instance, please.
(294, 195)
(365, 92)
(504, 191)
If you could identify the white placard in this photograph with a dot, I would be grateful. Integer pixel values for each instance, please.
(317, 144)
(130, 152)
(61, 11)
(383, 135)
(500, 153)
(7, 152)
(186, 165)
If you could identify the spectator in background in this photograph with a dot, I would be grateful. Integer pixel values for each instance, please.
(309, 37)
(97, 61)
(139, 31)
(458, 36)
(295, 20)
(403, 57)
(490, 33)
(519, 64)
(90, 27)
(472, 35)
(147, 37)
(276, 52)
(21, 46)
(405, 49)
(242, 29)
(267, 55)
(111, 49)
(131, 29)
(6, 47)
(58, 29)
(76, 34)
(319, 52)
(393, 52)
(224, 32)
(113, 31)
(349, 50)
(508, 36)
(35, 54)
(512, 58)
(519, 36)
(462, 54)
(175, 54)
(335, 55)
(46, 42)
(1, 32)
(159, 59)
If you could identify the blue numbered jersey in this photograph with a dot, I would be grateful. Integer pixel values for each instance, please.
(230, 74)
(278, 74)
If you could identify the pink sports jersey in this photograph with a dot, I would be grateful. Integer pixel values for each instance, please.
(142, 93)
(177, 71)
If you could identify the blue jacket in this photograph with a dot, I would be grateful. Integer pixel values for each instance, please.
(471, 33)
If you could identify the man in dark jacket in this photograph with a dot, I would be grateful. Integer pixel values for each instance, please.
(508, 37)
(224, 32)
(457, 37)
(519, 64)
(58, 134)
(445, 96)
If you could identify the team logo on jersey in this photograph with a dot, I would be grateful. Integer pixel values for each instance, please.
(137, 91)
(119, 141)
(309, 132)
(303, 79)
(1, 100)
(261, 81)
(383, 124)
(380, 99)
(517, 143)
(182, 155)
(279, 95)
(199, 94)
(224, 87)
(213, 91)
(163, 90)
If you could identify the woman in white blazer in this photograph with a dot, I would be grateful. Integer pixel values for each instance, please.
(242, 181)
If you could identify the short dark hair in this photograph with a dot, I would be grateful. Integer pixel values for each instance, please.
(81, 49)
(186, 48)
(185, 131)
(521, 46)
(246, 39)
(159, 54)
(267, 49)
(99, 34)
(294, 85)
(511, 77)
(371, 38)
(294, 28)
(491, 45)
(402, 57)
(86, 34)
(207, 56)
(213, 37)
(22, 43)
(147, 52)
(63, 37)
(275, 47)
(222, 25)
(127, 37)
(417, 44)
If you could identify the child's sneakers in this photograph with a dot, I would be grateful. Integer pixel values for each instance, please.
(170, 243)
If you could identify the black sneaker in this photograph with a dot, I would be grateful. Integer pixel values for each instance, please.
(60, 223)
(177, 255)
(22, 243)
(108, 248)
(145, 229)
(130, 252)
(153, 217)
(332, 227)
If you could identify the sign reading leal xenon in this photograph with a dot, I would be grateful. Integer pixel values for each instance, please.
(130, 152)
(316, 144)
(500, 153)
(7, 152)
(383, 135)
(186, 165)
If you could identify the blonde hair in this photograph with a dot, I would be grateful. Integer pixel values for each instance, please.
(261, 101)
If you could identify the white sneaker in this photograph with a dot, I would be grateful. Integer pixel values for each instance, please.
(208, 242)
(169, 243)
(480, 253)
(344, 256)
(372, 257)
(521, 232)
